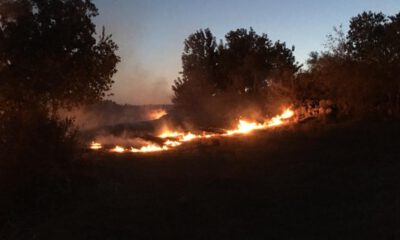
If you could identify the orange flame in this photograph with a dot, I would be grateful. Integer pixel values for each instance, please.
(288, 113)
(157, 114)
(149, 148)
(279, 120)
(95, 146)
(170, 143)
(118, 149)
(245, 127)
(169, 134)
(189, 137)
(176, 138)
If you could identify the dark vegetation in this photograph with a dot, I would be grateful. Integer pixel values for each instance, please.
(232, 77)
(50, 57)
(359, 73)
(310, 181)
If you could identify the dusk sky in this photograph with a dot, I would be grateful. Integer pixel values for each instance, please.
(150, 33)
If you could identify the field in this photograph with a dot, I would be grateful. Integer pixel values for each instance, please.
(308, 181)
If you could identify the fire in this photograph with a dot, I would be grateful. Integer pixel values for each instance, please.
(245, 127)
(95, 146)
(157, 114)
(279, 120)
(168, 134)
(174, 139)
(189, 137)
(149, 148)
(172, 143)
(118, 149)
(288, 113)
(208, 135)
(275, 122)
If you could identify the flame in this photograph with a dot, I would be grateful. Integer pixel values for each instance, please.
(245, 127)
(172, 143)
(189, 137)
(157, 114)
(95, 146)
(149, 148)
(275, 121)
(279, 120)
(208, 135)
(118, 149)
(168, 134)
(288, 113)
(174, 139)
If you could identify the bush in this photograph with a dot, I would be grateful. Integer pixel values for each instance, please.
(38, 152)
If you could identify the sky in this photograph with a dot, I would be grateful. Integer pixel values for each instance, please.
(150, 33)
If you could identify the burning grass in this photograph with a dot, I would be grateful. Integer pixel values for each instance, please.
(170, 139)
(157, 114)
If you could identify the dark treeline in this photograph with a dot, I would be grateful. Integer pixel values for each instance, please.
(50, 58)
(248, 73)
(361, 69)
(223, 80)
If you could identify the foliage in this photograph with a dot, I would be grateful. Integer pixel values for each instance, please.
(38, 154)
(360, 70)
(230, 76)
(50, 54)
(50, 57)
(33, 137)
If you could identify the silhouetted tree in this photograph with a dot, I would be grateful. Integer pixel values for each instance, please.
(50, 54)
(199, 70)
(366, 35)
(360, 70)
(249, 59)
(228, 77)
(50, 57)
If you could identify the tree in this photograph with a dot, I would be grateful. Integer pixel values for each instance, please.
(50, 54)
(199, 69)
(230, 76)
(360, 70)
(50, 57)
(248, 59)
(373, 42)
(366, 33)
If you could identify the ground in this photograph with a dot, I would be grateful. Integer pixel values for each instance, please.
(308, 181)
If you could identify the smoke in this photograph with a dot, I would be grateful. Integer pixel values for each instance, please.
(108, 114)
(141, 86)
(124, 139)
(152, 89)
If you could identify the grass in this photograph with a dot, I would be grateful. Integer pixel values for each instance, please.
(303, 182)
